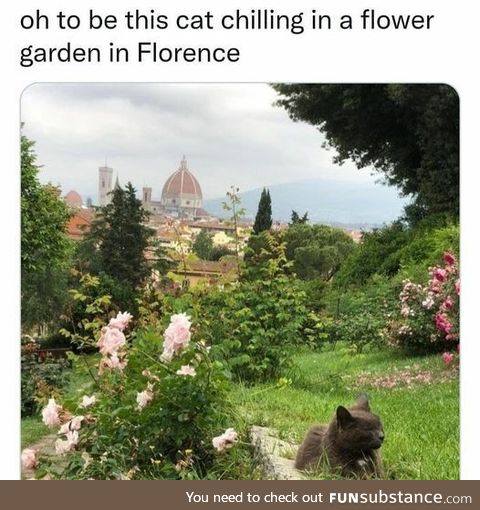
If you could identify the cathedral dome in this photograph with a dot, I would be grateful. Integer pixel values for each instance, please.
(182, 182)
(182, 191)
(73, 199)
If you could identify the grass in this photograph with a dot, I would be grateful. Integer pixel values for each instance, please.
(421, 420)
(32, 430)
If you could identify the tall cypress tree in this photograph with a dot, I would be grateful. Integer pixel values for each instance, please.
(263, 219)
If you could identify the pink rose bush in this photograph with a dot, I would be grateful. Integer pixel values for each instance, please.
(429, 314)
(157, 404)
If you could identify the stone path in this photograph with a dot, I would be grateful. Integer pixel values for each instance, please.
(45, 446)
(274, 455)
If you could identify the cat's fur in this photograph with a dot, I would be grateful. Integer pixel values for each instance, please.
(349, 444)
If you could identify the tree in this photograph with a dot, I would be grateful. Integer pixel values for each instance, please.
(220, 251)
(410, 133)
(317, 251)
(117, 243)
(263, 219)
(295, 219)
(44, 244)
(203, 245)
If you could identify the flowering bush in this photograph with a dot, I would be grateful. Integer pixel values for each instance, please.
(428, 318)
(156, 411)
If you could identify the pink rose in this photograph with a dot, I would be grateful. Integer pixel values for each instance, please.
(447, 357)
(442, 323)
(457, 287)
(114, 362)
(177, 336)
(447, 304)
(50, 414)
(449, 258)
(111, 341)
(439, 274)
(64, 446)
(121, 321)
(29, 458)
(226, 440)
(182, 319)
(74, 424)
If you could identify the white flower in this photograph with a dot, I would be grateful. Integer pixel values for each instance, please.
(88, 401)
(121, 321)
(64, 446)
(144, 398)
(74, 424)
(187, 370)
(226, 440)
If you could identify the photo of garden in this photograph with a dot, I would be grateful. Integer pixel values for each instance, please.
(194, 316)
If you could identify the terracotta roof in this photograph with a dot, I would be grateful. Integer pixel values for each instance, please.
(79, 223)
(210, 266)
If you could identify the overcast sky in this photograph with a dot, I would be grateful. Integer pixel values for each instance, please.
(230, 134)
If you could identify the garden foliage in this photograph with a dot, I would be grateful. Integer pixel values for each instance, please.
(42, 376)
(255, 322)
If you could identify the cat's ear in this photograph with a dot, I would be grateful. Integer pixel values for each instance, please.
(362, 402)
(343, 417)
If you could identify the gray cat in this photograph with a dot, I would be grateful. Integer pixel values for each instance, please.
(349, 444)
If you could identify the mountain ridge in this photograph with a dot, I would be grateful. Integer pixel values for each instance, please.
(325, 200)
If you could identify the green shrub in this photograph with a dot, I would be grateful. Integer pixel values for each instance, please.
(253, 325)
(316, 251)
(360, 315)
(41, 376)
(396, 249)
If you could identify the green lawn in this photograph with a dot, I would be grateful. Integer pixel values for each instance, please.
(421, 419)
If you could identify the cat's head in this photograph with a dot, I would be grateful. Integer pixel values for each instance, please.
(358, 428)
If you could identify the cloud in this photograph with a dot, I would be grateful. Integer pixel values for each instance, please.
(230, 133)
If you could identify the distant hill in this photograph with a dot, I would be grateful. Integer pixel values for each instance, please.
(351, 204)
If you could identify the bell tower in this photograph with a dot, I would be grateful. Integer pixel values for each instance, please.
(105, 176)
(147, 197)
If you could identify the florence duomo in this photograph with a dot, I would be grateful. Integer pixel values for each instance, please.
(181, 193)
